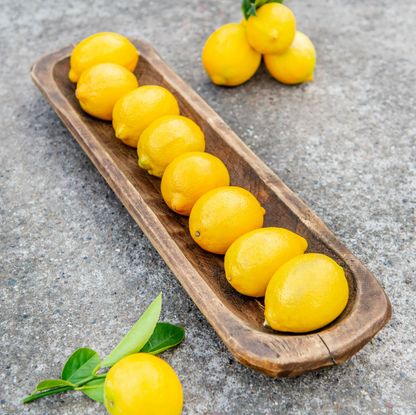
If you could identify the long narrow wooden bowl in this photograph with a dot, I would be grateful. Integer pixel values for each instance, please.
(237, 319)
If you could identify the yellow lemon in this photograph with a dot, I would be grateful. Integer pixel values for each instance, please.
(102, 48)
(142, 384)
(273, 29)
(101, 86)
(190, 176)
(222, 215)
(228, 58)
(252, 259)
(165, 139)
(296, 65)
(305, 294)
(137, 110)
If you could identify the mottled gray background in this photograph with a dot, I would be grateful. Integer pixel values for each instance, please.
(77, 271)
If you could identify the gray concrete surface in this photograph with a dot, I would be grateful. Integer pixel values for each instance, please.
(77, 271)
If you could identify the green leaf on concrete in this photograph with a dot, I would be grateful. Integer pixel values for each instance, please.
(138, 336)
(95, 390)
(164, 337)
(51, 384)
(80, 365)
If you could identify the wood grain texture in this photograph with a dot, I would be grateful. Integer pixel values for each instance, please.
(237, 319)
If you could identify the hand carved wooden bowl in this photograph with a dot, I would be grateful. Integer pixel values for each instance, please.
(237, 319)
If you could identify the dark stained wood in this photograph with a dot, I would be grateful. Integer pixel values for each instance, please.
(237, 319)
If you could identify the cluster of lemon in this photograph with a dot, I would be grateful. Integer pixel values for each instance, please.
(233, 53)
(303, 292)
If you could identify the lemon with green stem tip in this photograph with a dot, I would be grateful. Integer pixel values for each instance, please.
(272, 30)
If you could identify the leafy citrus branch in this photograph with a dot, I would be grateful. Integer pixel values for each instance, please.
(79, 372)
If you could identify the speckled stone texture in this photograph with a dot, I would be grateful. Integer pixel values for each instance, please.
(77, 271)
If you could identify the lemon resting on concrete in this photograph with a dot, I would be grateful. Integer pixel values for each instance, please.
(273, 29)
(190, 176)
(142, 384)
(101, 86)
(253, 258)
(102, 48)
(165, 139)
(227, 56)
(222, 215)
(305, 294)
(296, 65)
(137, 110)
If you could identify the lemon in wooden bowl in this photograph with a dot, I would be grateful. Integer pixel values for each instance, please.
(165, 139)
(190, 176)
(253, 258)
(135, 111)
(102, 48)
(305, 294)
(101, 86)
(222, 215)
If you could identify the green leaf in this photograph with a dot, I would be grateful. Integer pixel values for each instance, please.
(80, 365)
(259, 3)
(95, 390)
(252, 11)
(138, 336)
(245, 6)
(249, 7)
(50, 384)
(164, 337)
